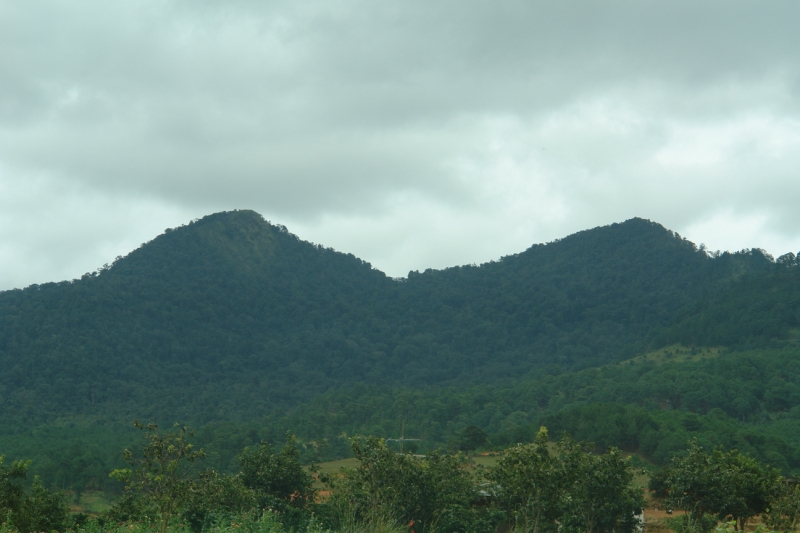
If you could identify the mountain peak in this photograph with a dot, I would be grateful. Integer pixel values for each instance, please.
(228, 239)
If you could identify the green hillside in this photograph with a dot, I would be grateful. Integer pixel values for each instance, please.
(227, 315)
(748, 400)
(752, 311)
(230, 316)
(238, 327)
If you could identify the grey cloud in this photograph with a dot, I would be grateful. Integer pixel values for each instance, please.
(516, 121)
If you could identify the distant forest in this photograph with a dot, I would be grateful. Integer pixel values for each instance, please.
(237, 327)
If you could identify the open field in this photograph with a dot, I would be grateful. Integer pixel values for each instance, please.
(89, 502)
(486, 459)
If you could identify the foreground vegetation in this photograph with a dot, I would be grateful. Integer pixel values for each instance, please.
(536, 487)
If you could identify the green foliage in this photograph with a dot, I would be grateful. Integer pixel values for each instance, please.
(71, 454)
(724, 484)
(471, 438)
(162, 484)
(639, 406)
(278, 480)
(538, 487)
(161, 478)
(216, 498)
(34, 510)
(239, 327)
(571, 491)
(42, 510)
(529, 486)
(784, 512)
(434, 491)
(754, 311)
(267, 522)
(688, 524)
(12, 494)
(643, 407)
(599, 492)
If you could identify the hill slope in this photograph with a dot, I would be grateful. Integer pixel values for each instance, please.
(591, 298)
(230, 316)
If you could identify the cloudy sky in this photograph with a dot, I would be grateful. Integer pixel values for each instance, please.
(413, 134)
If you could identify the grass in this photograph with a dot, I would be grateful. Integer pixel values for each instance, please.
(486, 461)
(677, 353)
(331, 467)
(90, 502)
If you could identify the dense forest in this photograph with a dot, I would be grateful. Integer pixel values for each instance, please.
(230, 316)
(626, 335)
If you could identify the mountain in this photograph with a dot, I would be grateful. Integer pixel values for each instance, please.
(229, 317)
(237, 327)
(226, 302)
(591, 298)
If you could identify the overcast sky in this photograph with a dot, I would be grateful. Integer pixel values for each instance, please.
(412, 134)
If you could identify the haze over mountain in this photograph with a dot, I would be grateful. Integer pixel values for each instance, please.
(231, 316)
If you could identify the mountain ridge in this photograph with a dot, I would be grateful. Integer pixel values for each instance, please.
(230, 316)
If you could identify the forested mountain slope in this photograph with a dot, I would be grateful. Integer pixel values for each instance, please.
(752, 311)
(591, 298)
(230, 317)
(226, 309)
(746, 400)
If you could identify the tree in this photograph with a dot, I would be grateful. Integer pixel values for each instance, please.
(435, 490)
(751, 487)
(599, 496)
(277, 478)
(161, 478)
(692, 483)
(471, 438)
(784, 513)
(385, 485)
(724, 484)
(42, 510)
(217, 495)
(12, 495)
(572, 491)
(37, 510)
(528, 485)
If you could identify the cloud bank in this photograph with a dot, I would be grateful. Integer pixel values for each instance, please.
(414, 135)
